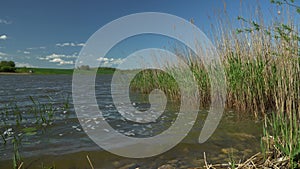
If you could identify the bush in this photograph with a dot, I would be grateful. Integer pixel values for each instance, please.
(7, 66)
(7, 69)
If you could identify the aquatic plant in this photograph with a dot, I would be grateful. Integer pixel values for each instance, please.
(282, 137)
(262, 65)
(17, 160)
(19, 123)
(232, 161)
(261, 62)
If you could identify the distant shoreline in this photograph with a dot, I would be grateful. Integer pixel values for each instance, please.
(14, 73)
(53, 71)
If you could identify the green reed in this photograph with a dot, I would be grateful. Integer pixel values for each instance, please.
(19, 123)
(262, 68)
(282, 136)
(262, 72)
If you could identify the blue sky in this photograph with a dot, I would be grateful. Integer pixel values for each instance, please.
(52, 33)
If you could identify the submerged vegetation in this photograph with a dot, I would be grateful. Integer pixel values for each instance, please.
(17, 124)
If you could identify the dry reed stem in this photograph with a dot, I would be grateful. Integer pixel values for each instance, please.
(255, 161)
(20, 166)
(90, 162)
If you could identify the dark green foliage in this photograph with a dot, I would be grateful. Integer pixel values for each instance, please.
(7, 66)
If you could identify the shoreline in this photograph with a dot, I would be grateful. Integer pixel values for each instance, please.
(14, 73)
(51, 71)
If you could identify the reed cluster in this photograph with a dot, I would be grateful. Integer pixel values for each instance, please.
(261, 64)
(262, 68)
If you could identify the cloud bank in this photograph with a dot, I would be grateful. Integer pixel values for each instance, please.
(60, 59)
(110, 62)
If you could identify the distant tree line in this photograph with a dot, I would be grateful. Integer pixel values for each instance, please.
(7, 66)
(87, 67)
(84, 67)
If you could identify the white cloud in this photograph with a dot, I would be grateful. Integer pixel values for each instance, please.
(61, 62)
(110, 62)
(54, 55)
(3, 54)
(119, 61)
(104, 59)
(3, 37)
(6, 22)
(70, 44)
(25, 52)
(59, 58)
(18, 64)
(35, 48)
(81, 44)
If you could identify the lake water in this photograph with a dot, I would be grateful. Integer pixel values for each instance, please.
(65, 144)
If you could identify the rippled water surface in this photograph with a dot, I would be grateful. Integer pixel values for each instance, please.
(65, 144)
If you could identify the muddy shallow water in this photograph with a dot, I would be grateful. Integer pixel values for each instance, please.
(65, 144)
